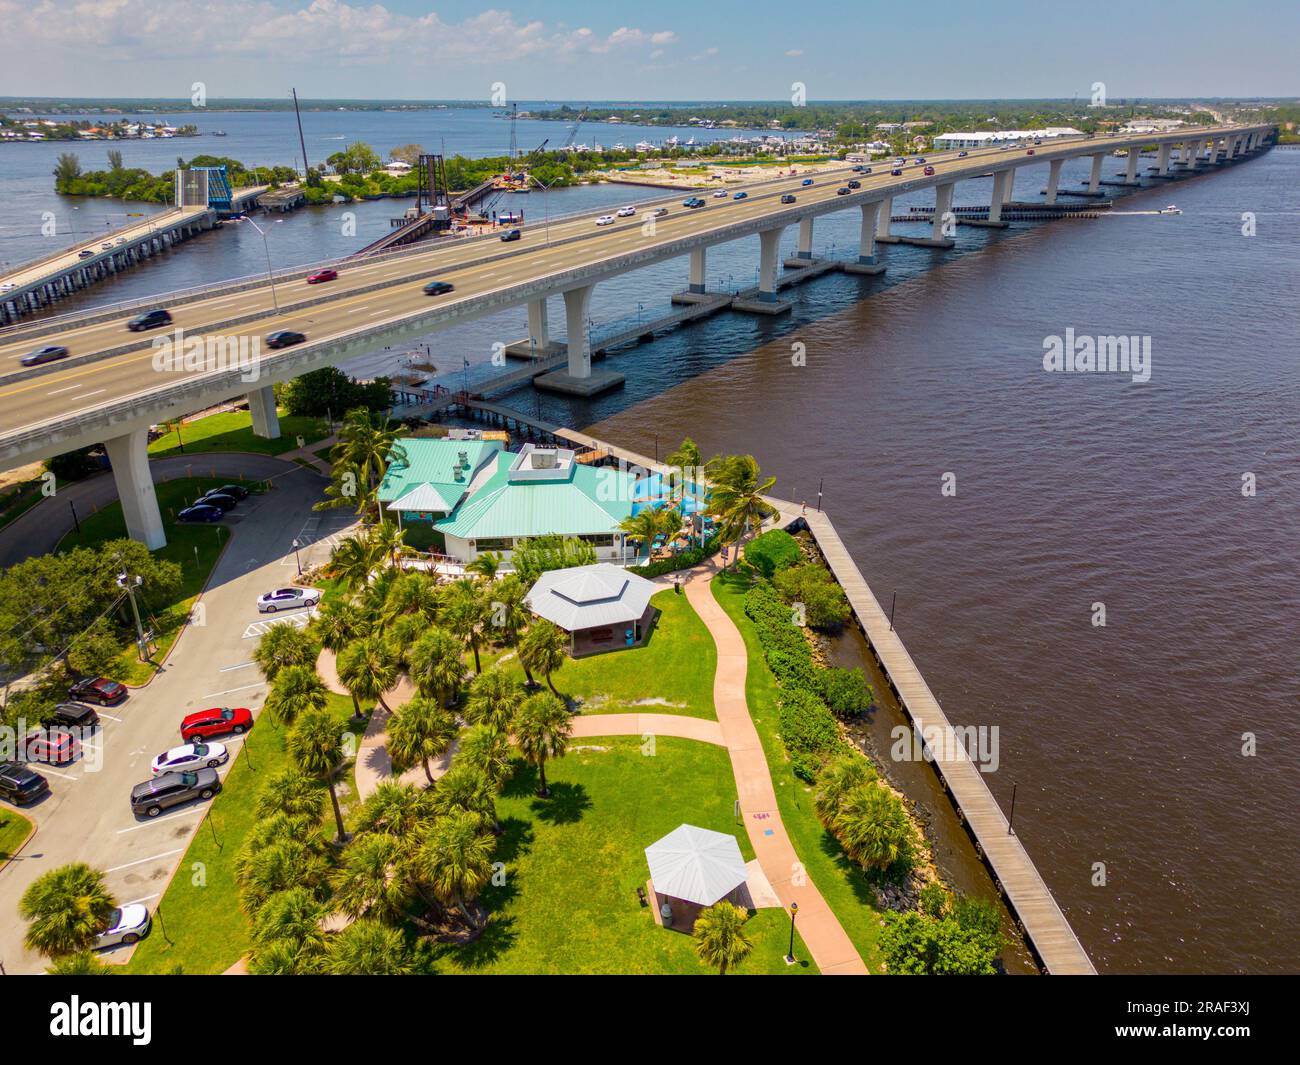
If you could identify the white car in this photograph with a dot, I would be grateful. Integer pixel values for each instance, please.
(190, 756)
(128, 925)
(626, 212)
(288, 598)
(605, 220)
(721, 194)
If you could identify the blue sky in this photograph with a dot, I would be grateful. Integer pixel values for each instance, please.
(671, 49)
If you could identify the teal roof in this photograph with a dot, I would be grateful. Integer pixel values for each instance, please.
(591, 500)
(433, 464)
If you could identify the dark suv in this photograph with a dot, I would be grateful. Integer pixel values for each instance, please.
(21, 785)
(78, 714)
(149, 320)
(99, 690)
(171, 789)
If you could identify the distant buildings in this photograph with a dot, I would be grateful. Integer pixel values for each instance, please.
(947, 141)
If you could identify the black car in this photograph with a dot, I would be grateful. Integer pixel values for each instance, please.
(99, 690)
(438, 288)
(842, 191)
(896, 172)
(171, 789)
(43, 355)
(200, 512)
(236, 490)
(855, 184)
(218, 499)
(78, 714)
(20, 784)
(149, 320)
(283, 338)
(787, 198)
(511, 234)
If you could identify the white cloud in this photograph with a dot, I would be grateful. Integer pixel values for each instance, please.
(794, 52)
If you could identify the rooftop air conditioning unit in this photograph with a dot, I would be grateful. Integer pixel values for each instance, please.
(545, 460)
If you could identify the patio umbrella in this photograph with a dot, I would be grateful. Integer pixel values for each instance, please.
(696, 865)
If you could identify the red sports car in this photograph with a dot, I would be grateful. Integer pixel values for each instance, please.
(216, 722)
(322, 275)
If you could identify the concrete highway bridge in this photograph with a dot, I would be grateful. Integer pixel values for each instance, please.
(115, 384)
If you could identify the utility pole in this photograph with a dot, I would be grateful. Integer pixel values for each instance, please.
(123, 581)
(301, 141)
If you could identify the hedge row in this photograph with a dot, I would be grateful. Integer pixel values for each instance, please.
(684, 560)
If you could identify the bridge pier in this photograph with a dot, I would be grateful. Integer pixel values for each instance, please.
(866, 263)
(129, 455)
(266, 420)
(539, 326)
(804, 249)
(883, 234)
(578, 379)
(1001, 194)
(1094, 179)
(767, 301)
(695, 277)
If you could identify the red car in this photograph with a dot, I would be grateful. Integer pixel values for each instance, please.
(322, 275)
(99, 690)
(50, 745)
(216, 722)
(1030, 152)
(928, 171)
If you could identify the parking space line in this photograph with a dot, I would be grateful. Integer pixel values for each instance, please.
(145, 899)
(55, 772)
(231, 691)
(242, 665)
(142, 861)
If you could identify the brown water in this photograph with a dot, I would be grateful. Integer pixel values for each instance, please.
(1126, 740)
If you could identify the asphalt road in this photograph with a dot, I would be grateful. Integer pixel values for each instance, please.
(87, 816)
(57, 394)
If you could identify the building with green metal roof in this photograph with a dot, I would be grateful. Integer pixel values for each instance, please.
(435, 477)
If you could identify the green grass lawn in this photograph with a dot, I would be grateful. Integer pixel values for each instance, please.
(208, 930)
(841, 883)
(671, 674)
(14, 828)
(233, 431)
(573, 863)
(193, 547)
(18, 500)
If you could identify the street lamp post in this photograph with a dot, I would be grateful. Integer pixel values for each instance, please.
(270, 275)
(794, 910)
(296, 559)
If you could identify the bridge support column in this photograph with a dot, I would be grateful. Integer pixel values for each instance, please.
(767, 300)
(266, 420)
(943, 215)
(695, 278)
(539, 331)
(883, 219)
(1162, 159)
(1053, 179)
(866, 263)
(129, 455)
(1094, 179)
(1001, 185)
(578, 379)
(1131, 170)
(804, 250)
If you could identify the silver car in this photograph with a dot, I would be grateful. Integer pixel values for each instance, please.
(287, 599)
(127, 925)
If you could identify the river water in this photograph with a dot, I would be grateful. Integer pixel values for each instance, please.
(1169, 849)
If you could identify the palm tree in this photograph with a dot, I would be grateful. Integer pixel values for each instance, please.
(353, 560)
(494, 697)
(487, 749)
(297, 690)
(687, 456)
(316, 748)
(396, 809)
(414, 594)
(486, 564)
(872, 827)
(368, 668)
(66, 909)
(267, 869)
(291, 793)
(83, 964)
(369, 948)
(509, 614)
(371, 882)
(387, 539)
(284, 645)
(736, 497)
(465, 610)
(436, 666)
(456, 861)
(837, 779)
(720, 939)
(467, 788)
(338, 622)
(287, 934)
(419, 732)
(648, 524)
(543, 648)
(367, 445)
(542, 730)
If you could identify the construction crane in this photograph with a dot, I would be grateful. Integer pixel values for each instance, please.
(573, 130)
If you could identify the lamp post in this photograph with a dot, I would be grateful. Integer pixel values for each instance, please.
(296, 559)
(270, 276)
(794, 910)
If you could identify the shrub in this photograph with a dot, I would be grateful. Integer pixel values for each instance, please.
(773, 550)
(684, 560)
(845, 691)
(808, 731)
(825, 605)
(964, 943)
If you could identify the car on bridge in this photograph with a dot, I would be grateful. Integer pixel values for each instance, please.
(166, 790)
(86, 253)
(1030, 151)
(693, 202)
(322, 275)
(20, 784)
(126, 925)
(721, 194)
(284, 338)
(99, 690)
(49, 353)
(287, 599)
(866, 170)
(106, 246)
(962, 155)
(843, 190)
(806, 182)
(626, 212)
(203, 513)
(512, 234)
(605, 220)
(741, 196)
(928, 171)
(438, 288)
(216, 721)
(190, 756)
(855, 184)
(150, 320)
(788, 198)
(896, 172)
(659, 212)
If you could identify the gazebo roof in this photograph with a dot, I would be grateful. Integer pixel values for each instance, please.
(582, 597)
(696, 865)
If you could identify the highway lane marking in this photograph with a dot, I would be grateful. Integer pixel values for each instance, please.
(58, 390)
(142, 861)
(159, 820)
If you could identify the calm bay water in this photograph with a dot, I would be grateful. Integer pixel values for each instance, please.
(1125, 740)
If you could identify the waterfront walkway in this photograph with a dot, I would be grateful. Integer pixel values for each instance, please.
(1045, 926)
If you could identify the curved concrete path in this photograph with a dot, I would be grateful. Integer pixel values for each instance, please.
(679, 725)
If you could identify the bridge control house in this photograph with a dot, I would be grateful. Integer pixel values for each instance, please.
(466, 497)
